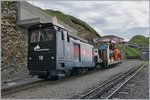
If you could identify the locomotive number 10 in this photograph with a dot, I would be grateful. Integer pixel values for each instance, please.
(40, 57)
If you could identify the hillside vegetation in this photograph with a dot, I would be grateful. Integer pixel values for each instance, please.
(129, 52)
(83, 29)
(140, 40)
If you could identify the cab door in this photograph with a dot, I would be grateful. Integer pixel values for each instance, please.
(60, 44)
(63, 45)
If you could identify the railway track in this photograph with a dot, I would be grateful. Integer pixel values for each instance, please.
(36, 83)
(109, 88)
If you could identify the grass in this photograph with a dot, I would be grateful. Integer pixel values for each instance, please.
(62, 17)
(140, 40)
(129, 51)
(68, 19)
(82, 23)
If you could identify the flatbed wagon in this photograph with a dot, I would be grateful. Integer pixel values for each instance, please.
(104, 55)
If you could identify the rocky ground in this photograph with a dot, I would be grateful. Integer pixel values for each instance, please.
(74, 87)
(136, 88)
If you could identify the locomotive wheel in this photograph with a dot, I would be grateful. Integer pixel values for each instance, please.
(79, 71)
(69, 73)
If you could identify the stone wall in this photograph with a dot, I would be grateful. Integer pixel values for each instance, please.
(13, 41)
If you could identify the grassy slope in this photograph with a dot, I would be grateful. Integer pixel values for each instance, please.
(129, 51)
(62, 17)
(134, 52)
(67, 19)
(140, 40)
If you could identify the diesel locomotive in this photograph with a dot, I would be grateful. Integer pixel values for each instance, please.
(55, 51)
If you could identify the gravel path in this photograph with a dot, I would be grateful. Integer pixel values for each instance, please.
(73, 87)
(136, 88)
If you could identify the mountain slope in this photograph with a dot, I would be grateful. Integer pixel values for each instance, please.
(129, 52)
(140, 40)
(83, 29)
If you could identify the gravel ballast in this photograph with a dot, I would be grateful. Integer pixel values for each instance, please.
(137, 87)
(73, 87)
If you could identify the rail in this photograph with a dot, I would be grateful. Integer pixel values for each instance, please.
(30, 85)
(109, 88)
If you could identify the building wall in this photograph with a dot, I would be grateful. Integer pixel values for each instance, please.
(145, 53)
(27, 11)
(29, 15)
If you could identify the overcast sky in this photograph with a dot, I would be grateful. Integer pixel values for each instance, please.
(121, 18)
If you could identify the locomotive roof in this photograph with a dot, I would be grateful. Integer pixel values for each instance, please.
(71, 33)
(77, 37)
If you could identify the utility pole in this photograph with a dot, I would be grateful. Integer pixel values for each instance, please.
(45, 6)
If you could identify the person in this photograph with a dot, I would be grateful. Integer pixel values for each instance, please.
(111, 50)
(116, 53)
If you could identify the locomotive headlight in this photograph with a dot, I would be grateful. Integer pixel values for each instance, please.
(40, 25)
(52, 57)
(30, 58)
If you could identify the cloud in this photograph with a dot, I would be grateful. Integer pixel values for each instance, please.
(121, 18)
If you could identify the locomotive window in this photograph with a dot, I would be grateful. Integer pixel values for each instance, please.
(34, 35)
(57, 28)
(44, 34)
(65, 34)
(68, 38)
(62, 35)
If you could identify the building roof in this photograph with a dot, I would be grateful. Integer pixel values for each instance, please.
(112, 36)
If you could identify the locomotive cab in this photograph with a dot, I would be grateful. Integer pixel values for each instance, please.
(42, 49)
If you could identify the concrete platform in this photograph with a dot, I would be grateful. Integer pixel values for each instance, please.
(18, 82)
